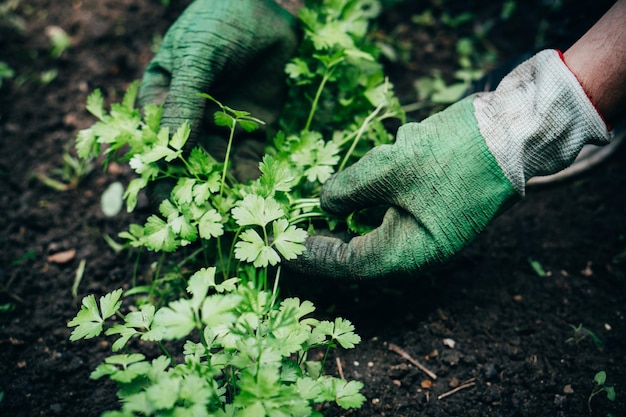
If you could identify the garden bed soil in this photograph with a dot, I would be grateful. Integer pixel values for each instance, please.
(487, 323)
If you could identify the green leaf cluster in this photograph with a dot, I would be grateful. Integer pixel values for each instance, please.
(338, 71)
(246, 352)
(249, 357)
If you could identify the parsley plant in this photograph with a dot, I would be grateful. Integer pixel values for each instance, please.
(245, 351)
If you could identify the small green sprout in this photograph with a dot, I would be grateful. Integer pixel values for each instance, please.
(59, 39)
(581, 333)
(6, 72)
(599, 387)
(68, 176)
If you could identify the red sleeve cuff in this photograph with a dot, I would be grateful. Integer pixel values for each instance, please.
(608, 126)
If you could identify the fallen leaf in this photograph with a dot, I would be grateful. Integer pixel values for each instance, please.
(62, 257)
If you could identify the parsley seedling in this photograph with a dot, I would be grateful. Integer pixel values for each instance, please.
(245, 351)
(600, 386)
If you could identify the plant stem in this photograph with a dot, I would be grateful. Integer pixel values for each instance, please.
(304, 203)
(136, 267)
(220, 257)
(227, 157)
(360, 132)
(318, 93)
(188, 257)
(300, 217)
(275, 289)
(167, 353)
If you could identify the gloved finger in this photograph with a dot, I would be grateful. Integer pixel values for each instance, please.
(155, 85)
(183, 102)
(398, 245)
(155, 82)
(365, 184)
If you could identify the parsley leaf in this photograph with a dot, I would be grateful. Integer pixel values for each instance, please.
(256, 210)
(251, 248)
(288, 240)
(210, 224)
(89, 319)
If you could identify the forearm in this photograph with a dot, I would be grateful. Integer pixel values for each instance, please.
(598, 60)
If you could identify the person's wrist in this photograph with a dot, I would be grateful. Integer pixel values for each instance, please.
(597, 60)
(538, 119)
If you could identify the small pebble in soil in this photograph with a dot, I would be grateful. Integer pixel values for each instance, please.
(489, 371)
(559, 400)
(449, 342)
(56, 409)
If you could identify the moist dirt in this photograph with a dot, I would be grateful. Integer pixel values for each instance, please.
(495, 324)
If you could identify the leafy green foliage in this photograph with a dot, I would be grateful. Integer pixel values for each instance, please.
(245, 351)
(246, 340)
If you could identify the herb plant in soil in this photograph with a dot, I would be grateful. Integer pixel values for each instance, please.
(246, 351)
(515, 352)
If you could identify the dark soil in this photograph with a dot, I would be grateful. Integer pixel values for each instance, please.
(511, 326)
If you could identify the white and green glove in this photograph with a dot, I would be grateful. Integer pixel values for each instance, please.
(446, 178)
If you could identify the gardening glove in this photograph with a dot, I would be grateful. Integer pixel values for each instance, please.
(235, 51)
(448, 176)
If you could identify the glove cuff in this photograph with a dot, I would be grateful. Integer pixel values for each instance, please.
(538, 119)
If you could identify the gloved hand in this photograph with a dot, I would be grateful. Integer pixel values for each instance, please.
(235, 51)
(446, 178)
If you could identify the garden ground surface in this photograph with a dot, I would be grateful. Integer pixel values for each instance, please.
(487, 322)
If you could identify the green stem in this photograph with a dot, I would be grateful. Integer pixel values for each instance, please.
(360, 132)
(309, 200)
(189, 168)
(275, 289)
(220, 257)
(156, 277)
(325, 355)
(297, 219)
(227, 157)
(231, 252)
(188, 257)
(136, 267)
(167, 353)
(305, 203)
(318, 93)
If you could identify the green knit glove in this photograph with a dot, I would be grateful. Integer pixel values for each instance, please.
(235, 51)
(447, 177)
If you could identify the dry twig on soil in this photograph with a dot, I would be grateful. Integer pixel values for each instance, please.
(409, 358)
(468, 384)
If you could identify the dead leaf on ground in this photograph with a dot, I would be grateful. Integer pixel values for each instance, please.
(62, 257)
